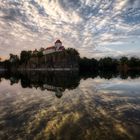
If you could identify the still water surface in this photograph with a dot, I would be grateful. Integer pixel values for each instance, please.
(66, 106)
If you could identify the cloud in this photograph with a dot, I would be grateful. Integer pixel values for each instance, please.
(82, 24)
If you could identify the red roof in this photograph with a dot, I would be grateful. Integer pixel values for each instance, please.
(61, 48)
(52, 47)
(58, 41)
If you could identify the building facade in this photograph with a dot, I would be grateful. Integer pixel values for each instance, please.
(56, 48)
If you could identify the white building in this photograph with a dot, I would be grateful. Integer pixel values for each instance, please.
(56, 48)
(58, 44)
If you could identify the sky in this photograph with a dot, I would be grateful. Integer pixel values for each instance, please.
(96, 28)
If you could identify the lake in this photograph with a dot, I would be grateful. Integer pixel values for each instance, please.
(69, 106)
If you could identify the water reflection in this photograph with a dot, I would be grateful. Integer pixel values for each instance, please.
(93, 106)
(56, 82)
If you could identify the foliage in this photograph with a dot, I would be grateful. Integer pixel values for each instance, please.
(72, 55)
(14, 59)
(108, 63)
(87, 64)
(123, 60)
(25, 56)
(72, 52)
(134, 62)
(40, 54)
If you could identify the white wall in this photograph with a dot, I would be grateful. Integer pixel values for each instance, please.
(58, 45)
(48, 51)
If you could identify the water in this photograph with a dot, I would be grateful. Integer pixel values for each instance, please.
(69, 106)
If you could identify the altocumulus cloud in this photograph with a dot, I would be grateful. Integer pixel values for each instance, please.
(96, 28)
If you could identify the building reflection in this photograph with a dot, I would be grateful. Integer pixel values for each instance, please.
(81, 114)
(58, 81)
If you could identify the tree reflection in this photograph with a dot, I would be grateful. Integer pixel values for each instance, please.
(81, 114)
(58, 81)
(54, 81)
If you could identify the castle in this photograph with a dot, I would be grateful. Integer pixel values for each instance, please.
(56, 48)
(54, 57)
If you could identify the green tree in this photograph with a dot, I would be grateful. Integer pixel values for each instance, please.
(25, 56)
(134, 62)
(14, 59)
(72, 51)
(123, 60)
(40, 54)
(108, 63)
(87, 64)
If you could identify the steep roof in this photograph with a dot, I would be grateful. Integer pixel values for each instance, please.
(61, 48)
(52, 47)
(58, 41)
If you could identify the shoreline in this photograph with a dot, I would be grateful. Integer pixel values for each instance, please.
(49, 69)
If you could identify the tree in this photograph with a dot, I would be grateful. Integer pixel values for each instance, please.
(14, 59)
(108, 63)
(87, 64)
(25, 56)
(40, 54)
(72, 51)
(134, 62)
(123, 60)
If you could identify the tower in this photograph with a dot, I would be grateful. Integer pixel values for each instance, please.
(58, 44)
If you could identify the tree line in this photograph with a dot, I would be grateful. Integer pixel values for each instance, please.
(26, 55)
(108, 63)
(85, 64)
